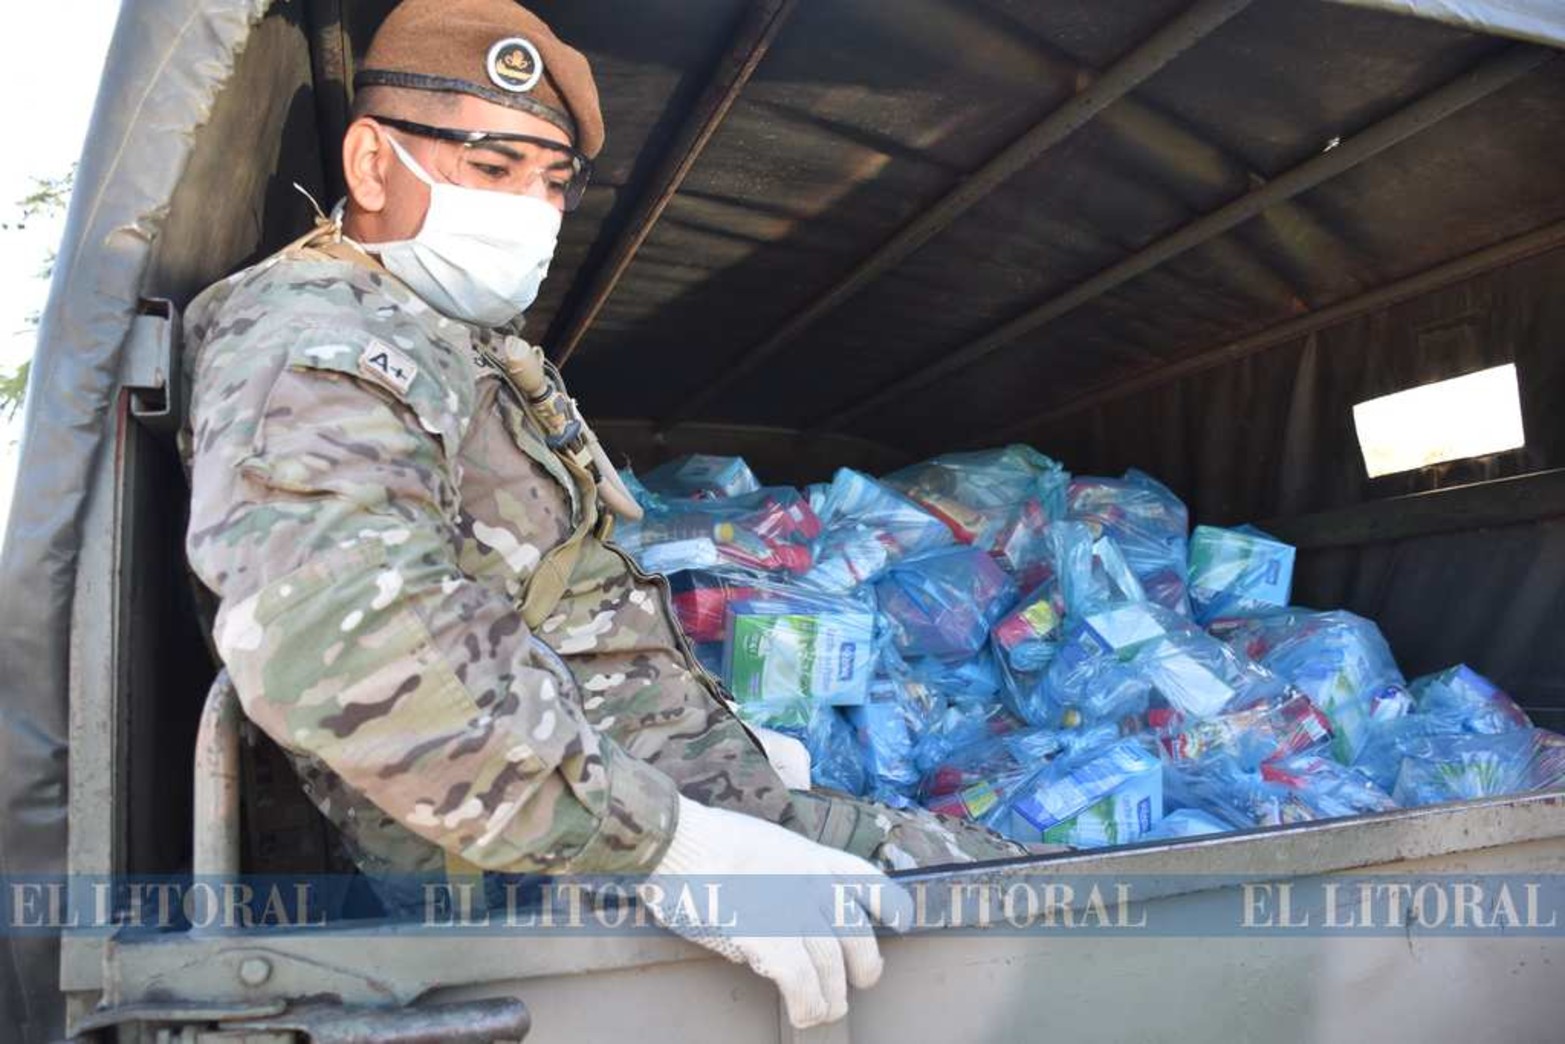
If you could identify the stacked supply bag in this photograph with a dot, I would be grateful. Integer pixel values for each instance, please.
(1058, 658)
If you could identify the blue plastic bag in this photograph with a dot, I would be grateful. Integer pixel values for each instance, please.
(1262, 731)
(768, 531)
(890, 725)
(865, 527)
(970, 679)
(942, 603)
(1299, 789)
(973, 778)
(1023, 548)
(1388, 742)
(1339, 660)
(1237, 572)
(1462, 766)
(956, 725)
(1476, 702)
(1028, 637)
(1078, 687)
(1186, 822)
(1330, 788)
(1091, 569)
(648, 500)
(1107, 796)
(1141, 654)
(701, 476)
(1148, 522)
(969, 782)
(988, 496)
(836, 757)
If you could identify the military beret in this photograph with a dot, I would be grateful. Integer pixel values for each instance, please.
(493, 49)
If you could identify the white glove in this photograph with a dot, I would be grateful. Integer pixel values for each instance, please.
(790, 759)
(811, 961)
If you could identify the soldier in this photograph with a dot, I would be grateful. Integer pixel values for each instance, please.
(416, 599)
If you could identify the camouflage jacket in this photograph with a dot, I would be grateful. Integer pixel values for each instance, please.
(369, 500)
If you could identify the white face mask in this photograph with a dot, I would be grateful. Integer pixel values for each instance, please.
(480, 255)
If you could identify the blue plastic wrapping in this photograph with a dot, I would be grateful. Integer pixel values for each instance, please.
(1237, 572)
(701, 476)
(770, 530)
(890, 725)
(1150, 525)
(1389, 741)
(836, 760)
(1389, 704)
(886, 632)
(968, 679)
(942, 603)
(865, 527)
(1461, 766)
(972, 779)
(1186, 822)
(1110, 795)
(1226, 788)
(1451, 702)
(1023, 548)
(1260, 732)
(1100, 691)
(1299, 789)
(1467, 696)
(1028, 637)
(1140, 656)
(816, 493)
(1091, 569)
(992, 499)
(1340, 660)
(1330, 788)
(648, 500)
(957, 725)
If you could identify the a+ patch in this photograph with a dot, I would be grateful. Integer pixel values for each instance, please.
(385, 364)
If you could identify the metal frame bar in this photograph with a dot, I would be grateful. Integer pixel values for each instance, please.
(95, 825)
(1518, 500)
(1485, 79)
(740, 59)
(1179, 148)
(1489, 258)
(1169, 42)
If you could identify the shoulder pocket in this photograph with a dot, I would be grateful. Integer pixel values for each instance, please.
(432, 380)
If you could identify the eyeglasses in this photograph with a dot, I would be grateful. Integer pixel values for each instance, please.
(488, 160)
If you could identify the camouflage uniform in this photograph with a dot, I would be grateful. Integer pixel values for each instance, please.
(370, 500)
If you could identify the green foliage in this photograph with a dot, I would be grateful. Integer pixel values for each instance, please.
(48, 197)
(13, 389)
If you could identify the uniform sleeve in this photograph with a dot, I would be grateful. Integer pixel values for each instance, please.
(324, 518)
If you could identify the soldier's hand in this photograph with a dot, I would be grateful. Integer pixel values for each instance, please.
(812, 914)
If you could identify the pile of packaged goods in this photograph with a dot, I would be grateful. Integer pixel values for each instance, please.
(1058, 658)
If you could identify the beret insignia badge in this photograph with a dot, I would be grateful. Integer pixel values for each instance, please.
(514, 65)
